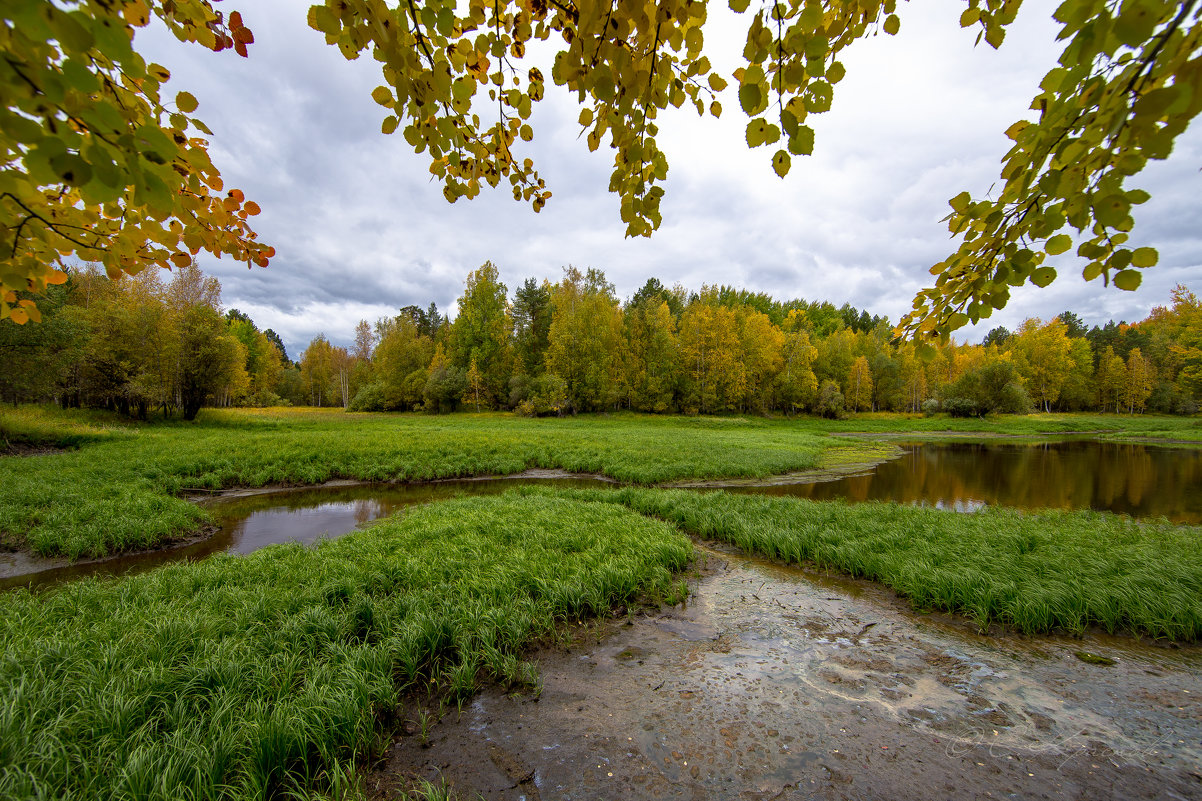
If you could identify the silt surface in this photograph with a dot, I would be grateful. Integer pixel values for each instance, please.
(777, 682)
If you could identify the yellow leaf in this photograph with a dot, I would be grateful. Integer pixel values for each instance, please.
(185, 102)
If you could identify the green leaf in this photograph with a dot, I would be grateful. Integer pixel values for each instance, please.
(960, 202)
(802, 142)
(1128, 279)
(389, 125)
(892, 24)
(1145, 257)
(1058, 244)
(382, 95)
(1042, 276)
(751, 98)
(969, 17)
(756, 131)
(717, 83)
(739, 6)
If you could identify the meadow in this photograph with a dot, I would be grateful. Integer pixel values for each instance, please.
(119, 488)
(275, 674)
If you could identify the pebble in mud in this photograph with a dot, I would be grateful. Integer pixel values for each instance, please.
(922, 707)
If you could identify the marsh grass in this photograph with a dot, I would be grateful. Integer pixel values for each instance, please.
(122, 492)
(1036, 572)
(268, 674)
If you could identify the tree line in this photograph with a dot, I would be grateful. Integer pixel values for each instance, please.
(138, 344)
(573, 346)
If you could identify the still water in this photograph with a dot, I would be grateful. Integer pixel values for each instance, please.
(1138, 480)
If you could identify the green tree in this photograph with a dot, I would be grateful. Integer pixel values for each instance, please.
(212, 360)
(531, 325)
(652, 363)
(585, 339)
(482, 331)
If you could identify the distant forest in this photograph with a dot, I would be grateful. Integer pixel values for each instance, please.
(141, 345)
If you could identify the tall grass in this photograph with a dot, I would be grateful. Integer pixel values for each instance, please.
(244, 677)
(1034, 571)
(122, 494)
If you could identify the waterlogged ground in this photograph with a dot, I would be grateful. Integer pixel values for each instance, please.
(776, 682)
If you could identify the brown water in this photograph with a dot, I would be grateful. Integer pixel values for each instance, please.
(1139, 480)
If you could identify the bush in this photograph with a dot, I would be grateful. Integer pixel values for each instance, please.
(930, 407)
(369, 398)
(548, 395)
(830, 400)
(962, 407)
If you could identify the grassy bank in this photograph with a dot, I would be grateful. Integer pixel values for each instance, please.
(120, 491)
(1035, 572)
(240, 677)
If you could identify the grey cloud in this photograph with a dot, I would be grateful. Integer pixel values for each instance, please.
(361, 230)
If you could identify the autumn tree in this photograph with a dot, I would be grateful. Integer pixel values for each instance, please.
(585, 339)
(1109, 379)
(710, 357)
(761, 343)
(482, 331)
(318, 372)
(1044, 361)
(859, 386)
(101, 161)
(797, 386)
(1138, 385)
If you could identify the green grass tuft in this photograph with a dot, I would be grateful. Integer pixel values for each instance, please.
(245, 677)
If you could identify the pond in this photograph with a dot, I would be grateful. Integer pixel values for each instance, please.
(1138, 480)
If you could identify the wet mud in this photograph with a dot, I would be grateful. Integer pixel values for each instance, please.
(779, 683)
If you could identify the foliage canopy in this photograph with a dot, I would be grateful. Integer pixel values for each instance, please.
(100, 163)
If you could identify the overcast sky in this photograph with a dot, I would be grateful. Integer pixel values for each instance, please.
(361, 231)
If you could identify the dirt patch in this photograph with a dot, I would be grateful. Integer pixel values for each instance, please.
(740, 694)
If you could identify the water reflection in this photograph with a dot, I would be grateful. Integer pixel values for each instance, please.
(1138, 480)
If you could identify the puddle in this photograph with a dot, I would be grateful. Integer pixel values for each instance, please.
(776, 682)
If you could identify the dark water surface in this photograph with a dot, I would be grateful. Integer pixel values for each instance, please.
(1138, 480)
(1143, 481)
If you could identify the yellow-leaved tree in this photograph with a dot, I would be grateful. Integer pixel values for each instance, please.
(101, 163)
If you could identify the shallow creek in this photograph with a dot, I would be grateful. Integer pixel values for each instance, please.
(777, 682)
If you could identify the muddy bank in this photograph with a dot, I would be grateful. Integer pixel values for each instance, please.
(775, 682)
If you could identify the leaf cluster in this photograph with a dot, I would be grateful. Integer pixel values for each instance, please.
(97, 158)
